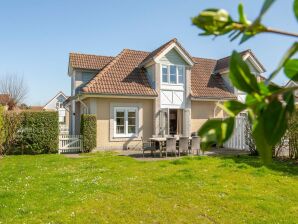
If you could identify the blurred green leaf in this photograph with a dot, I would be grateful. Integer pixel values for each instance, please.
(216, 131)
(233, 107)
(213, 21)
(289, 98)
(275, 122)
(291, 69)
(242, 16)
(240, 75)
(263, 147)
(267, 4)
(296, 8)
(290, 52)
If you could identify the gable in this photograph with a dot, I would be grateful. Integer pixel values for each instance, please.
(252, 67)
(52, 104)
(172, 57)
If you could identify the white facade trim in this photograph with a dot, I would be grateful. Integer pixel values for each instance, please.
(179, 50)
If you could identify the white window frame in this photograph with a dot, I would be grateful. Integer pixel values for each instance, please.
(126, 110)
(177, 74)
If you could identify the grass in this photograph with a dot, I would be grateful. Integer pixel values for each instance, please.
(106, 188)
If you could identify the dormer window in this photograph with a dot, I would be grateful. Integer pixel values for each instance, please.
(173, 74)
(87, 76)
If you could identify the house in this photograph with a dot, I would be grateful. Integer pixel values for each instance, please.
(4, 100)
(292, 83)
(137, 94)
(56, 104)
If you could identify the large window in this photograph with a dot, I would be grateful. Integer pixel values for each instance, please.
(125, 121)
(173, 74)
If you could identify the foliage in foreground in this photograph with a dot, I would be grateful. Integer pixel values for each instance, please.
(103, 187)
(31, 132)
(88, 131)
(269, 106)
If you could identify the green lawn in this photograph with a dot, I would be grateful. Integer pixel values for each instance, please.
(106, 188)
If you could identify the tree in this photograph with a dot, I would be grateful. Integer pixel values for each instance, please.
(15, 86)
(269, 106)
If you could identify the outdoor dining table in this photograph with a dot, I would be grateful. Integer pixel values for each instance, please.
(162, 141)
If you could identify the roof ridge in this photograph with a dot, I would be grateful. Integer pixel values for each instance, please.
(78, 53)
(241, 52)
(108, 66)
(211, 59)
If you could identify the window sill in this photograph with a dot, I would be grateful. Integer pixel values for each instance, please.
(125, 138)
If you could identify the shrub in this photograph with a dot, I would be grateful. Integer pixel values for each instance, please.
(249, 141)
(88, 131)
(31, 132)
(11, 126)
(1, 129)
(293, 136)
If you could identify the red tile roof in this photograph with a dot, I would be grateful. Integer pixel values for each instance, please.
(204, 84)
(224, 63)
(88, 61)
(122, 76)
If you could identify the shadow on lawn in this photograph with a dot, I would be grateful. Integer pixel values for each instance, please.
(288, 167)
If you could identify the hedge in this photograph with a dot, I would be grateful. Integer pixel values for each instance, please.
(88, 131)
(1, 129)
(36, 133)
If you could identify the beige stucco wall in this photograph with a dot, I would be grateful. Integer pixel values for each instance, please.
(201, 111)
(104, 123)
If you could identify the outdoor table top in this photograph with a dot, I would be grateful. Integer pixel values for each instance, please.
(162, 139)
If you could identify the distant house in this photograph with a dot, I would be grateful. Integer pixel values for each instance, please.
(4, 100)
(292, 83)
(137, 94)
(56, 104)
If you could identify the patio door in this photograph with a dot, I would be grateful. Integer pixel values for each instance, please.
(171, 121)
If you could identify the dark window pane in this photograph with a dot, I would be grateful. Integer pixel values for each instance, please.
(131, 121)
(131, 129)
(120, 121)
(120, 114)
(132, 114)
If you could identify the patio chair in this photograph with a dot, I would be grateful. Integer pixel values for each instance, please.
(148, 146)
(195, 144)
(171, 146)
(183, 146)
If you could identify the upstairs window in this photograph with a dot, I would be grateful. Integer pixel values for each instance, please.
(164, 73)
(173, 74)
(87, 76)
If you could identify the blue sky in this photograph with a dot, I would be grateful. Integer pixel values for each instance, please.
(37, 36)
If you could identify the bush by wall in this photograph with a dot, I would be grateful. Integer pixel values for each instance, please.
(88, 131)
(31, 132)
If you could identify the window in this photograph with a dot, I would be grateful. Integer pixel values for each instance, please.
(180, 74)
(173, 74)
(164, 73)
(87, 76)
(125, 121)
